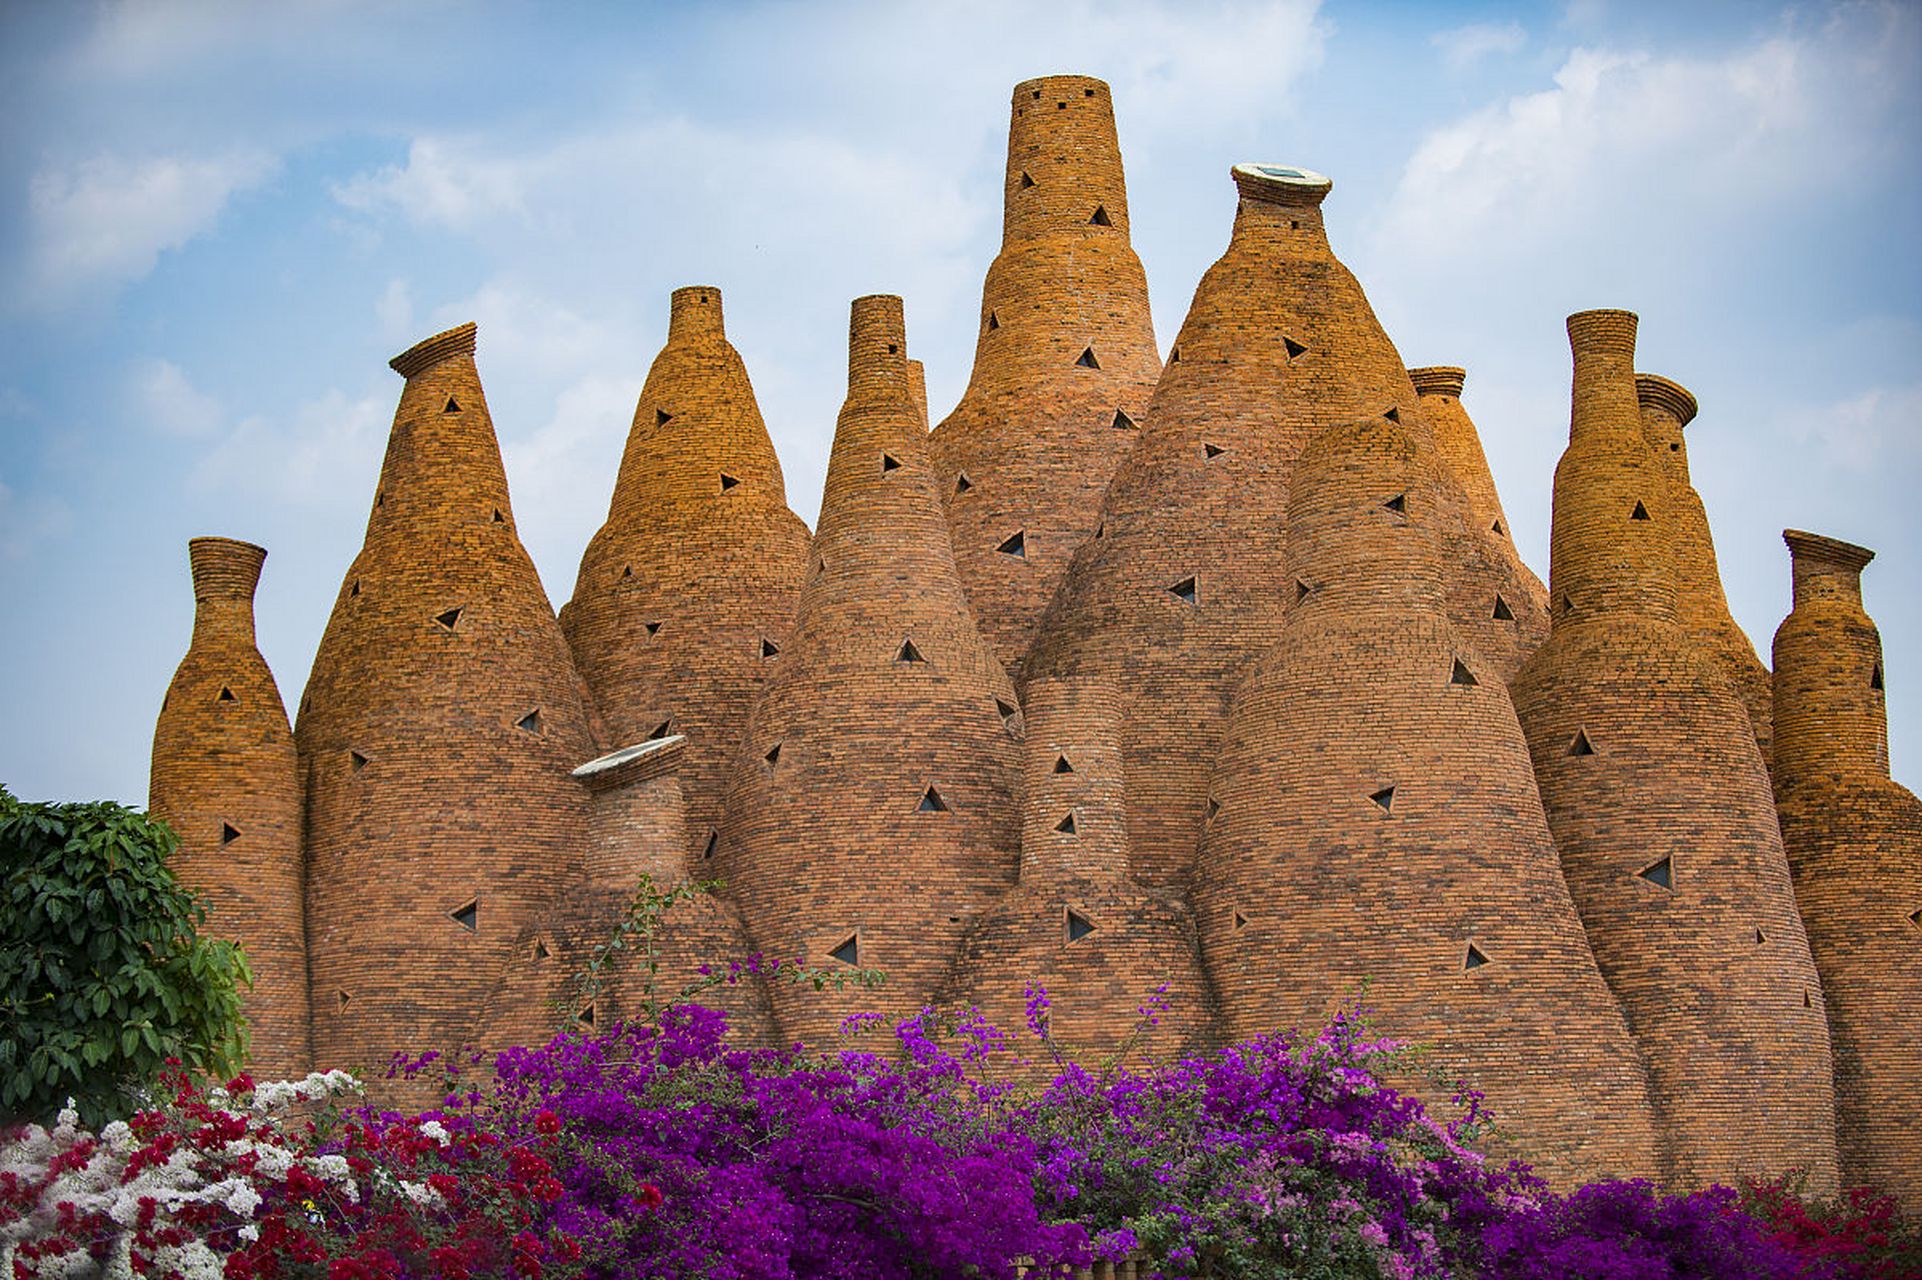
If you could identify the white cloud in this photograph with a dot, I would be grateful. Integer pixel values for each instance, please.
(1462, 47)
(562, 475)
(395, 313)
(1865, 432)
(26, 520)
(324, 453)
(105, 221)
(160, 395)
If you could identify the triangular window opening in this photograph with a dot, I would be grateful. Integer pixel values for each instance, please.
(1502, 612)
(357, 760)
(1393, 415)
(1568, 604)
(1808, 1001)
(1385, 798)
(1086, 359)
(587, 1015)
(1210, 451)
(931, 802)
(773, 756)
(1009, 715)
(380, 498)
(1660, 873)
(713, 843)
(665, 729)
(1580, 745)
(1295, 349)
(1462, 675)
(531, 722)
(909, 653)
(1915, 918)
(1214, 807)
(1640, 512)
(889, 463)
(1397, 504)
(1079, 926)
(1026, 182)
(448, 619)
(467, 917)
(452, 406)
(1066, 825)
(652, 628)
(661, 417)
(727, 482)
(1499, 531)
(1061, 765)
(1185, 590)
(540, 950)
(1174, 355)
(769, 648)
(1016, 544)
(1122, 421)
(848, 952)
(226, 694)
(962, 484)
(229, 833)
(354, 590)
(1241, 921)
(627, 571)
(498, 517)
(1301, 590)
(994, 322)
(1760, 937)
(1875, 678)
(1100, 218)
(342, 1000)
(1101, 530)
(1475, 958)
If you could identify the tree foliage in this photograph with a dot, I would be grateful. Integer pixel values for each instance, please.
(103, 976)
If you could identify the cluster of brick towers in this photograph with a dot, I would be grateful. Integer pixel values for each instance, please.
(1220, 676)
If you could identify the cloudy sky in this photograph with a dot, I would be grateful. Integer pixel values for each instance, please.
(219, 220)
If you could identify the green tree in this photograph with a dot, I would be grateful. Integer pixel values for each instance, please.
(103, 976)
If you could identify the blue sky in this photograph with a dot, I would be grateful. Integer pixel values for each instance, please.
(218, 221)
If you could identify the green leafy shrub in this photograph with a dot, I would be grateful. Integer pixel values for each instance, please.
(103, 977)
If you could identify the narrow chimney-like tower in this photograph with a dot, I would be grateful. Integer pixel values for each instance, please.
(1374, 819)
(1854, 840)
(870, 814)
(1661, 810)
(686, 593)
(439, 728)
(1184, 582)
(1667, 408)
(1064, 362)
(225, 778)
(1102, 946)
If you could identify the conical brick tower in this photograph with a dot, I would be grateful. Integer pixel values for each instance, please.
(225, 778)
(1460, 447)
(686, 594)
(1184, 581)
(1661, 810)
(870, 814)
(1064, 362)
(1854, 841)
(1102, 946)
(1667, 408)
(440, 724)
(1374, 819)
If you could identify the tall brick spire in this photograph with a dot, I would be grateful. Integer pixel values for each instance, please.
(1668, 407)
(870, 813)
(436, 737)
(1064, 362)
(686, 593)
(1184, 582)
(1661, 810)
(1374, 818)
(225, 778)
(1854, 839)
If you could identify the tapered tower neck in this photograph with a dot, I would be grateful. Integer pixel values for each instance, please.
(1064, 163)
(695, 315)
(1665, 395)
(877, 343)
(1826, 568)
(1605, 404)
(1278, 199)
(225, 568)
(1831, 714)
(439, 349)
(1439, 380)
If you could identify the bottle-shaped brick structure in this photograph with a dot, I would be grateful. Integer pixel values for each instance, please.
(437, 734)
(1374, 819)
(1667, 408)
(225, 777)
(1662, 813)
(1064, 363)
(1103, 947)
(1854, 840)
(686, 593)
(870, 813)
(1184, 582)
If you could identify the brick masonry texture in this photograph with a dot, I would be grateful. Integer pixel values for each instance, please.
(1667, 408)
(1184, 583)
(687, 591)
(1375, 820)
(226, 779)
(873, 801)
(1661, 811)
(1064, 362)
(1854, 840)
(440, 724)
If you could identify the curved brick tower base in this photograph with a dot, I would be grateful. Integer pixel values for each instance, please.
(1661, 810)
(226, 779)
(1102, 946)
(1375, 820)
(1854, 841)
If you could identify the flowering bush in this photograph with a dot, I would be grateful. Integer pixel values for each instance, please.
(1862, 1234)
(1630, 1231)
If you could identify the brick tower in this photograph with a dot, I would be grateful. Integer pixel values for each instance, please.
(1667, 408)
(1100, 944)
(440, 724)
(870, 813)
(1661, 810)
(1460, 447)
(1064, 362)
(1183, 583)
(686, 594)
(1854, 841)
(225, 778)
(1374, 817)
